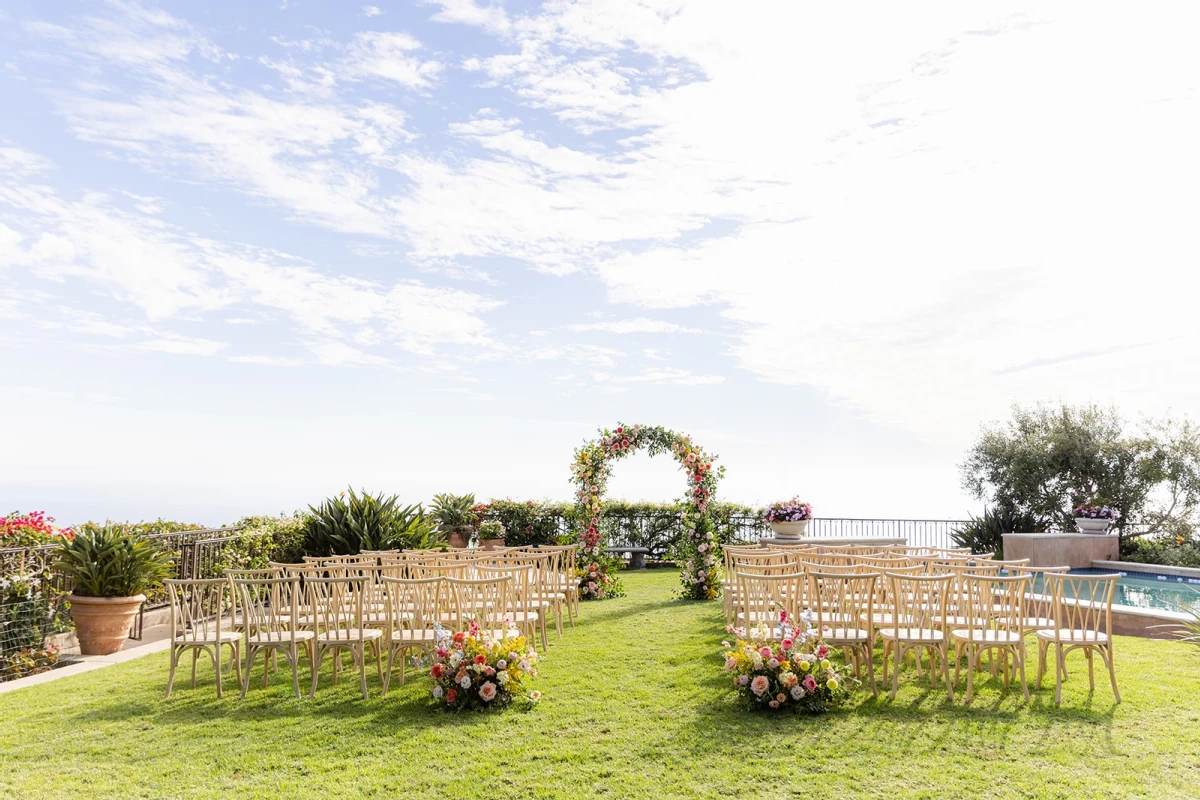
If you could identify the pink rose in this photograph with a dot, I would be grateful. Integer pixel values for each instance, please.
(810, 683)
(488, 692)
(822, 650)
(730, 665)
(786, 644)
(760, 684)
(765, 652)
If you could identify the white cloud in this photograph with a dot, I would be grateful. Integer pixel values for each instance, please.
(268, 361)
(390, 56)
(371, 11)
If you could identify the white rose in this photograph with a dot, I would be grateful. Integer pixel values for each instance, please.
(465, 682)
(437, 692)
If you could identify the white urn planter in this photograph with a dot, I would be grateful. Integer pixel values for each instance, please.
(790, 530)
(1094, 526)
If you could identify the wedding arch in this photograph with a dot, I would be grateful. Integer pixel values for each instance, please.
(592, 468)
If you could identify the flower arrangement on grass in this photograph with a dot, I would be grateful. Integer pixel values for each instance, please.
(701, 574)
(473, 671)
(788, 511)
(791, 669)
(1095, 509)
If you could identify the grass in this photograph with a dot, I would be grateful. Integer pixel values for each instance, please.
(634, 705)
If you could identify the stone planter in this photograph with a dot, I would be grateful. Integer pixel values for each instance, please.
(1094, 526)
(790, 531)
(458, 537)
(102, 623)
(491, 544)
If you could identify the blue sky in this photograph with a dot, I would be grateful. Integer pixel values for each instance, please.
(251, 253)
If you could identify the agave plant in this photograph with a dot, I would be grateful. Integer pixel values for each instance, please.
(454, 512)
(108, 561)
(347, 525)
(985, 534)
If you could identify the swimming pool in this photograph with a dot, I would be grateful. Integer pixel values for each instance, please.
(1147, 589)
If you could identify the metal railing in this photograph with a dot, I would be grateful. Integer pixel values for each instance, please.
(659, 532)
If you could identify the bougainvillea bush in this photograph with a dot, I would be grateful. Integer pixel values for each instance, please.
(786, 666)
(701, 574)
(476, 672)
(30, 530)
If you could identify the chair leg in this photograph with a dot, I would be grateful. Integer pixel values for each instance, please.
(171, 674)
(268, 655)
(1107, 654)
(1060, 657)
(293, 654)
(944, 652)
(1042, 647)
(249, 665)
(971, 656)
(387, 673)
(896, 670)
(375, 645)
(868, 656)
(216, 659)
(1019, 656)
(319, 654)
(1091, 668)
(236, 647)
(361, 653)
(195, 658)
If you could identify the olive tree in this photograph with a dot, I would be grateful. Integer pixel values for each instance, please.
(1045, 459)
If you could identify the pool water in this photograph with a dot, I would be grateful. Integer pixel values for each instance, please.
(1146, 589)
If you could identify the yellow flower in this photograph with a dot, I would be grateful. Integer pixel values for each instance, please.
(825, 663)
(833, 684)
(805, 666)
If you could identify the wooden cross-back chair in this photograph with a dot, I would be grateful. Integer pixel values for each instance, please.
(1082, 611)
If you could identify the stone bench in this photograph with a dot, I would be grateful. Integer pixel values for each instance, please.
(637, 555)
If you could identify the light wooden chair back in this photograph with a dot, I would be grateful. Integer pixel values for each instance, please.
(269, 605)
(198, 609)
(919, 602)
(415, 603)
(479, 600)
(839, 600)
(1082, 604)
(763, 598)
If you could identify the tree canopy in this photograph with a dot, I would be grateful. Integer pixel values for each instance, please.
(1046, 459)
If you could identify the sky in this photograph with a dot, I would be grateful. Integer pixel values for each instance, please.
(252, 253)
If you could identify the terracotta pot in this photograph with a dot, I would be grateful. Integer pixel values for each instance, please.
(491, 544)
(458, 538)
(102, 623)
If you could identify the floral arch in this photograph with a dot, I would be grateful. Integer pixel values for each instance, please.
(592, 468)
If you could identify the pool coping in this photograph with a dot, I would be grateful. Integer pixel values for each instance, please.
(1151, 569)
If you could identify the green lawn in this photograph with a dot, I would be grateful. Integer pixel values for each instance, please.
(634, 705)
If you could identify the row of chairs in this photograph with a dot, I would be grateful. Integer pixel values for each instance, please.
(378, 605)
(926, 602)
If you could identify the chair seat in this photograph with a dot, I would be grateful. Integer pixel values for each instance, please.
(1038, 624)
(226, 636)
(986, 636)
(279, 637)
(349, 635)
(836, 636)
(1073, 637)
(912, 635)
(524, 616)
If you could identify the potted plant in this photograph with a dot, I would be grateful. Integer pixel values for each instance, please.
(110, 569)
(456, 517)
(789, 518)
(491, 534)
(1094, 516)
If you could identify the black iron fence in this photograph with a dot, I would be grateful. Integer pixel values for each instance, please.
(659, 532)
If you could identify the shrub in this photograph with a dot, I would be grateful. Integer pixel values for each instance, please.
(491, 529)
(282, 538)
(1171, 551)
(145, 528)
(30, 609)
(526, 523)
(112, 562)
(342, 526)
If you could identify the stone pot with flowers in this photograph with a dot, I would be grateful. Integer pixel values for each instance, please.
(1094, 516)
(789, 518)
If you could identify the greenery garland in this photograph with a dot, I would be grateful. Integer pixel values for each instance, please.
(701, 574)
